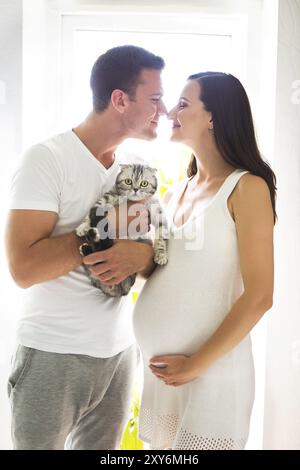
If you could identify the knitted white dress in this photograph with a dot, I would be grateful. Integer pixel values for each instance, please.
(180, 307)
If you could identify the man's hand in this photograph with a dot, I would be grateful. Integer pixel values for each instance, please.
(115, 264)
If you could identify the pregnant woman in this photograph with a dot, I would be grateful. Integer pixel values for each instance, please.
(192, 319)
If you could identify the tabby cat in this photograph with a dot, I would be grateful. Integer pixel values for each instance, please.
(133, 183)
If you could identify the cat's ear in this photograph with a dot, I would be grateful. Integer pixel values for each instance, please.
(154, 170)
(124, 165)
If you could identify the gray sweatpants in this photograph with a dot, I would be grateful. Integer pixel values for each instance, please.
(69, 400)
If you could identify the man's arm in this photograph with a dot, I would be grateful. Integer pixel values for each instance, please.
(32, 256)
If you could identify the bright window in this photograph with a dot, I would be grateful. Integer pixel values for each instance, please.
(188, 43)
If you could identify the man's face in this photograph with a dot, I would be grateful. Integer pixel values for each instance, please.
(145, 107)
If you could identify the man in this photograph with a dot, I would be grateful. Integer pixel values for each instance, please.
(73, 369)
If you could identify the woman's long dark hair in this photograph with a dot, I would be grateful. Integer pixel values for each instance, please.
(225, 98)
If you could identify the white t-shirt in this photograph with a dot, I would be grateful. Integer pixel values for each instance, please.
(68, 314)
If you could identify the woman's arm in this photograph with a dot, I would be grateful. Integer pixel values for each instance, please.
(253, 216)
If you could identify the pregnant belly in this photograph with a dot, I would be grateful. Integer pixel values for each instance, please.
(171, 319)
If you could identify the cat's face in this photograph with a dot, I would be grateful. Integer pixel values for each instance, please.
(136, 182)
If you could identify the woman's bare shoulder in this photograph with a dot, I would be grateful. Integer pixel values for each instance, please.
(251, 192)
(250, 184)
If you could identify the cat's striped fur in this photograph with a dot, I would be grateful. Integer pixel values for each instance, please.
(133, 183)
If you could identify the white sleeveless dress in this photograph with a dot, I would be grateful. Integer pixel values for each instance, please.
(179, 308)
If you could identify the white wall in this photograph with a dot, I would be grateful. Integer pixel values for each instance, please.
(11, 74)
(10, 146)
(282, 401)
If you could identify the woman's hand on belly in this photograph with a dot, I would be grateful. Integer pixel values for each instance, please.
(174, 370)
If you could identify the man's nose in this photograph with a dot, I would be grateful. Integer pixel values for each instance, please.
(162, 108)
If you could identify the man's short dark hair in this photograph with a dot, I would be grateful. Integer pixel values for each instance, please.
(119, 68)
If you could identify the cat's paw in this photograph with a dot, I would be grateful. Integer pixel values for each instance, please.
(82, 229)
(85, 249)
(161, 258)
(160, 252)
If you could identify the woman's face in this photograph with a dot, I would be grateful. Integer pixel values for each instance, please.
(191, 122)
